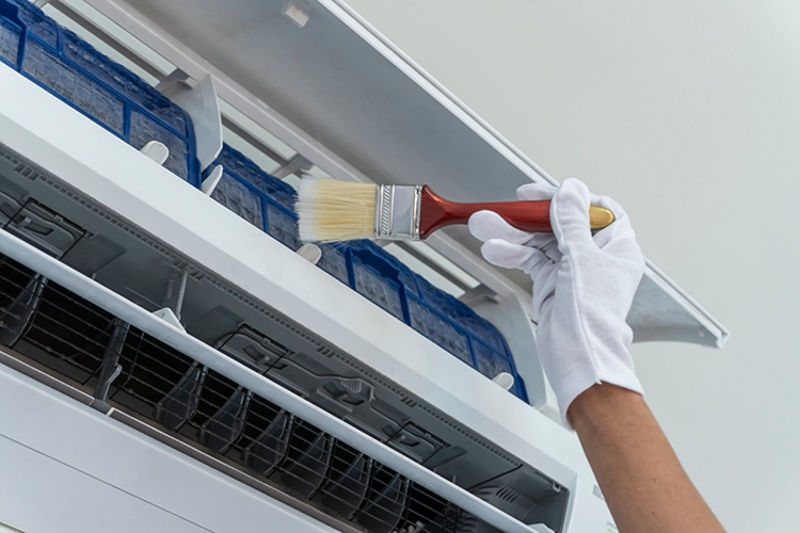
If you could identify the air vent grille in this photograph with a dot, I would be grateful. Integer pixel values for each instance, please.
(215, 419)
(83, 345)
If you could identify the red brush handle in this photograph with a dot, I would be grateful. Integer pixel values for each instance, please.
(436, 212)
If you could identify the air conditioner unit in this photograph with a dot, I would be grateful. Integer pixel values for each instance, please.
(175, 359)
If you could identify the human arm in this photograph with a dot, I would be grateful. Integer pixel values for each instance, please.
(583, 287)
(644, 484)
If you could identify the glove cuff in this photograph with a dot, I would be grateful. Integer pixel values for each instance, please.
(614, 371)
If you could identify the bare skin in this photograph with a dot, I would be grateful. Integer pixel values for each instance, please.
(642, 480)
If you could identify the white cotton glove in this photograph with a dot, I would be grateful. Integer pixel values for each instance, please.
(583, 286)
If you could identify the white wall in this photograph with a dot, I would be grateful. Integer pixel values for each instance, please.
(688, 112)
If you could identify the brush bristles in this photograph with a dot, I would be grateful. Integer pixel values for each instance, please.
(331, 210)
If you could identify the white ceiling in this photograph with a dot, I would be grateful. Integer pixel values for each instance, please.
(687, 112)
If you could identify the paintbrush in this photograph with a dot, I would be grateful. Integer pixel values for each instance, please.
(332, 211)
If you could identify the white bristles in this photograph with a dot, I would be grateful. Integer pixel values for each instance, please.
(331, 210)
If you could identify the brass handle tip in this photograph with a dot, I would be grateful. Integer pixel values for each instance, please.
(600, 217)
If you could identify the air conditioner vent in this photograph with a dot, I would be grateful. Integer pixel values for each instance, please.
(26, 171)
(130, 370)
(44, 323)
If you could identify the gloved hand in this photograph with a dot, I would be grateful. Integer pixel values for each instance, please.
(583, 286)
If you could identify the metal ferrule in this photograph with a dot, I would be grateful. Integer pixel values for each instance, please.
(397, 209)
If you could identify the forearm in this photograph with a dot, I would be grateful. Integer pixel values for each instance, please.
(642, 480)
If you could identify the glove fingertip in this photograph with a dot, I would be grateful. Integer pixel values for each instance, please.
(569, 213)
(485, 225)
(505, 254)
(576, 188)
(480, 224)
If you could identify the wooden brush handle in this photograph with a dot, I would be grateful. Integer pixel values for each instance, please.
(436, 212)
